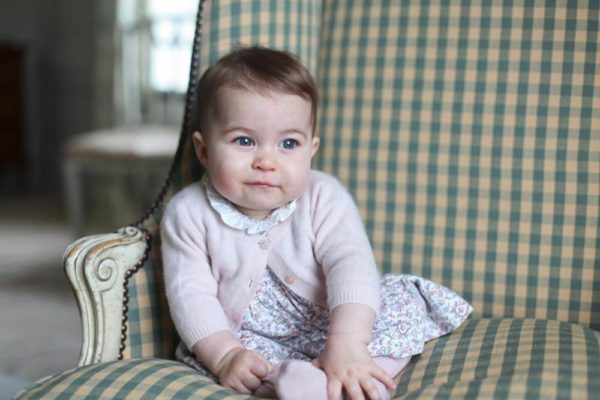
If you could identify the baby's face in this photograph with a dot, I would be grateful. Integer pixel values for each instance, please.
(257, 149)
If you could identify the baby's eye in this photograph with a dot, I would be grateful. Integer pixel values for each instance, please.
(288, 144)
(244, 141)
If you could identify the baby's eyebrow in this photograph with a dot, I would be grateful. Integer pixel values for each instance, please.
(294, 130)
(249, 131)
(238, 128)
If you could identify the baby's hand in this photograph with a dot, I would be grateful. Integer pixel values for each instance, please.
(350, 369)
(242, 370)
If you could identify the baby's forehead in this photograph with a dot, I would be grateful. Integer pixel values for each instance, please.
(227, 95)
(233, 89)
(228, 99)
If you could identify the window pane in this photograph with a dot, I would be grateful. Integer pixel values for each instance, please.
(178, 8)
(173, 25)
(169, 68)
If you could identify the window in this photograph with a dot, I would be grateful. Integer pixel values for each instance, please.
(155, 40)
(172, 32)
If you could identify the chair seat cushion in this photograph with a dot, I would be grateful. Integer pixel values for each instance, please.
(508, 358)
(141, 378)
(499, 358)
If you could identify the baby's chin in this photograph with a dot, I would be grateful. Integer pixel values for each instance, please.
(255, 213)
(260, 212)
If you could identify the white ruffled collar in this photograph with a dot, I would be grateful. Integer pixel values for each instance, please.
(232, 217)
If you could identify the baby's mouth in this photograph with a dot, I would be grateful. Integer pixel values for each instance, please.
(261, 184)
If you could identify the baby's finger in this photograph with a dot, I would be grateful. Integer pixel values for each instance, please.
(334, 389)
(260, 366)
(370, 388)
(383, 377)
(354, 391)
(239, 387)
(250, 382)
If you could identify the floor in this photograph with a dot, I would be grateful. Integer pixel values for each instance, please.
(40, 331)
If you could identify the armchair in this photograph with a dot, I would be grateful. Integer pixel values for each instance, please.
(469, 135)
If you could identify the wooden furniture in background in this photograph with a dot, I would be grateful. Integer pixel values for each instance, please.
(11, 108)
(114, 174)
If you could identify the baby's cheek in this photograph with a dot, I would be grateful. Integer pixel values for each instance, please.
(223, 181)
(299, 183)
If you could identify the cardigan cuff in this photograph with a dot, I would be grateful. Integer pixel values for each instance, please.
(193, 334)
(364, 296)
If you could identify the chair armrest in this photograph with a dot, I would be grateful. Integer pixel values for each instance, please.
(98, 268)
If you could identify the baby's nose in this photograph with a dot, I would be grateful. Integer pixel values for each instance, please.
(264, 161)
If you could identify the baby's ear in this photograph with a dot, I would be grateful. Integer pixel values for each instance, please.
(200, 147)
(314, 145)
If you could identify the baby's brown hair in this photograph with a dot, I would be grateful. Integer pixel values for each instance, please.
(257, 69)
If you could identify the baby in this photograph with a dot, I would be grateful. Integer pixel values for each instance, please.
(270, 277)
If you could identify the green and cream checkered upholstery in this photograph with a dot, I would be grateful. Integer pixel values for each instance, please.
(490, 358)
(469, 134)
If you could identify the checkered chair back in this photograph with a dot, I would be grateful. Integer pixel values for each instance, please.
(472, 149)
(469, 134)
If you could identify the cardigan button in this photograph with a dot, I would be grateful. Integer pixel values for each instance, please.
(290, 279)
(264, 244)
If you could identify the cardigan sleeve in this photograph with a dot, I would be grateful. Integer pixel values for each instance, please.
(190, 286)
(342, 247)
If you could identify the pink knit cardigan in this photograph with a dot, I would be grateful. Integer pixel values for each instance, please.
(212, 271)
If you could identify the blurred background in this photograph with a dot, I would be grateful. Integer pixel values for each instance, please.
(91, 101)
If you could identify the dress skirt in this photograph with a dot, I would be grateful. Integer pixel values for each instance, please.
(281, 325)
